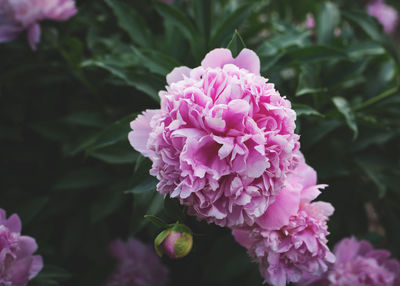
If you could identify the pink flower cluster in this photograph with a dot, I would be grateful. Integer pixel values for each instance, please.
(137, 264)
(290, 239)
(358, 264)
(386, 15)
(223, 141)
(19, 15)
(18, 265)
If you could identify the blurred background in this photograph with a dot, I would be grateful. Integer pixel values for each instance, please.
(67, 167)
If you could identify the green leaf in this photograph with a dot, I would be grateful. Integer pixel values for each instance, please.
(227, 25)
(51, 274)
(155, 61)
(371, 165)
(320, 130)
(146, 185)
(178, 18)
(132, 22)
(85, 118)
(118, 153)
(283, 41)
(365, 22)
(153, 208)
(303, 109)
(173, 209)
(32, 208)
(312, 54)
(107, 205)
(344, 108)
(146, 83)
(114, 133)
(81, 179)
(202, 11)
(328, 19)
(363, 49)
(308, 82)
(156, 221)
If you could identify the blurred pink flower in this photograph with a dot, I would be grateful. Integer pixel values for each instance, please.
(137, 264)
(19, 15)
(310, 22)
(290, 238)
(358, 264)
(18, 265)
(385, 14)
(223, 141)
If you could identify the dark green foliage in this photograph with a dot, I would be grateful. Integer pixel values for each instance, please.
(67, 167)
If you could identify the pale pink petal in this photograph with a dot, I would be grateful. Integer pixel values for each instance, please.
(247, 59)
(178, 74)
(217, 58)
(141, 130)
(286, 204)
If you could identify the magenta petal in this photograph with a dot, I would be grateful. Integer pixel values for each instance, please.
(346, 250)
(311, 193)
(21, 271)
(14, 223)
(242, 237)
(36, 267)
(247, 59)
(27, 246)
(34, 35)
(278, 213)
(178, 74)
(141, 132)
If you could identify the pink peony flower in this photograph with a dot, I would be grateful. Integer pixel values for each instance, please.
(223, 141)
(19, 15)
(385, 14)
(137, 264)
(18, 265)
(310, 22)
(358, 264)
(289, 240)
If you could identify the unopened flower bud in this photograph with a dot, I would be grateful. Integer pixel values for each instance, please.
(175, 242)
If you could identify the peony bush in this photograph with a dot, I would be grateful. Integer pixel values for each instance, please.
(199, 143)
